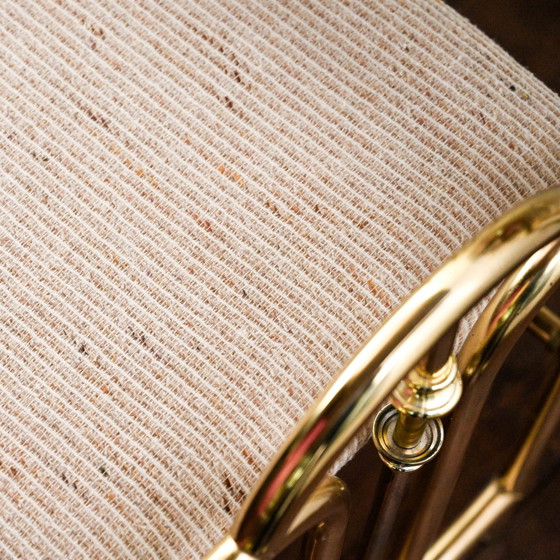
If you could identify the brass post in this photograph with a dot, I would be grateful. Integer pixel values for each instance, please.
(409, 430)
(546, 325)
(415, 436)
(436, 390)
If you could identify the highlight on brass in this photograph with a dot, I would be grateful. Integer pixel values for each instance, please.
(407, 381)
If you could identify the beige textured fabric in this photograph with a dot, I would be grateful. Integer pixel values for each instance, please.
(205, 208)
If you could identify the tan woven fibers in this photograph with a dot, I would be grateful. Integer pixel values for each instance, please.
(205, 207)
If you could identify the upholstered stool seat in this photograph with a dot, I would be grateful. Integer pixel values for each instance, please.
(205, 207)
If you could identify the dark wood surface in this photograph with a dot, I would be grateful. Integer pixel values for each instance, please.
(528, 29)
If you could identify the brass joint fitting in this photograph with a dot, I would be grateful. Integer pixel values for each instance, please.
(408, 432)
(425, 394)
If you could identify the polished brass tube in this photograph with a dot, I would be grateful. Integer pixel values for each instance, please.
(490, 506)
(371, 375)
(409, 430)
(523, 475)
(506, 317)
(326, 512)
(325, 515)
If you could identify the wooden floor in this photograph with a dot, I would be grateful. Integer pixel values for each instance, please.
(528, 30)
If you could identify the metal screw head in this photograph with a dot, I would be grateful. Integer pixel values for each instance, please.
(400, 458)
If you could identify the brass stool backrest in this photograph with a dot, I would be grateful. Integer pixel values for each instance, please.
(418, 335)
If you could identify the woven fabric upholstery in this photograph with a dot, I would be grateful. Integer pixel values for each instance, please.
(205, 207)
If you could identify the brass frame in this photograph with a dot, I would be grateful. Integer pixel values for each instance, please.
(431, 312)
(512, 310)
(497, 499)
(325, 516)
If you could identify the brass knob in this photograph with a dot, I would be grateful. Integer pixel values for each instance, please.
(405, 459)
(408, 432)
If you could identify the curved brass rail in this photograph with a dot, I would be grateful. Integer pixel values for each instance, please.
(324, 517)
(497, 330)
(327, 513)
(371, 375)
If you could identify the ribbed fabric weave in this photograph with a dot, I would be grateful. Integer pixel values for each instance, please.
(205, 208)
